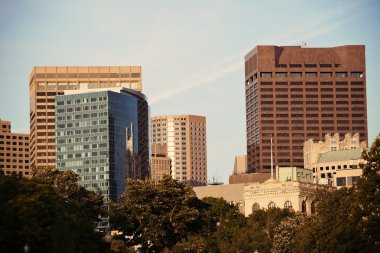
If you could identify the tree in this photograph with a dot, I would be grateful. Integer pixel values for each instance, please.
(347, 220)
(156, 216)
(32, 212)
(269, 219)
(284, 234)
(367, 193)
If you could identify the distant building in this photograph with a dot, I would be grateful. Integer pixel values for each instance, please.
(185, 138)
(45, 83)
(14, 151)
(160, 164)
(103, 137)
(295, 93)
(292, 189)
(240, 165)
(232, 193)
(286, 174)
(249, 178)
(335, 162)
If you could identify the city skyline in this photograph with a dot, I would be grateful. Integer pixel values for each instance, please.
(192, 54)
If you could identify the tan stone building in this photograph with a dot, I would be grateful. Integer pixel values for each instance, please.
(160, 162)
(14, 151)
(185, 138)
(293, 195)
(47, 82)
(333, 161)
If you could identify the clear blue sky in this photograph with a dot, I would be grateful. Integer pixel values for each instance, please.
(191, 52)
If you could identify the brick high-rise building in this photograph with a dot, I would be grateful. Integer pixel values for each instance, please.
(296, 93)
(14, 151)
(160, 163)
(47, 82)
(185, 138)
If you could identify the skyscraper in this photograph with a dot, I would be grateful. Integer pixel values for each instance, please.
(14, 151)
(47, 82)
(185, 138)
(296, 93)
(104, 137)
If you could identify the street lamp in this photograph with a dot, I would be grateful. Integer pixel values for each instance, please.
(26, 248)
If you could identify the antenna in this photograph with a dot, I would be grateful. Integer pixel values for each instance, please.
(303, 44)
(271, 158)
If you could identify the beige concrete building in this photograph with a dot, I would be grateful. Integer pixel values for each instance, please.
(296, 196)
(47, 82)
(14, 151)
(240, 165)
(185, 138)
(232, 193)
(160, 162)
(249, 178)
(286, 174)
(335, 162)
(338, 168)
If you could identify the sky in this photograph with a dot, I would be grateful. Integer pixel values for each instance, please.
(191, 52)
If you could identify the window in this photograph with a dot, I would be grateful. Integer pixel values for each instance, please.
(271, 205)
(341, 74)
(311, 74)
(303, 206)
(288, 205)
(310, 65)
(357, 74)
(326, 74)
(266, 74)
(255, 207)
(281, 74)
(296, 74)
(312, 207)
(340, 181)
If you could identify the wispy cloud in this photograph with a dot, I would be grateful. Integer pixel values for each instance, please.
(320, 25)
(207, 79)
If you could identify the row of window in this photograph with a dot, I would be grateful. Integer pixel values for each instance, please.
(356, 74)
(313, 96)
(311, 83)
(309, 89)
(87, 75)
(14, 137)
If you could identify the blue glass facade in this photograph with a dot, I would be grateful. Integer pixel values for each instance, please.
(103, 137)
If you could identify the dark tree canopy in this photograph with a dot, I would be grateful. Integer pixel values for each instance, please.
(157, 216)
(49, 217)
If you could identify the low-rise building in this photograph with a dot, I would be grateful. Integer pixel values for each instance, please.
(294, 195)
(335, 162)
(14, 151)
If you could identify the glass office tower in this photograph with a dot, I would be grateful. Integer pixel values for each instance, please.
(104, 137)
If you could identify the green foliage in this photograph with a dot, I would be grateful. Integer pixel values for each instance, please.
(347, 220)
(285, 233)
(367, 194)
(34, 211)
(158, 216)
(268, 220)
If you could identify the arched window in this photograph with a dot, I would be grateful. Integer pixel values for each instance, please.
(312, 207)
(303, 206)
(288, 205)
(271, 205)
(255, 207)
